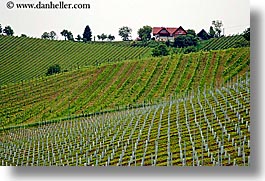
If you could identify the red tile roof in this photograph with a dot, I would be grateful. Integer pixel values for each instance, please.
(156, 30)
(171, 30)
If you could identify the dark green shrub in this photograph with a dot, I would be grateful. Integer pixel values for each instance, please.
(160, 50)
(190, 49)
(54, 69)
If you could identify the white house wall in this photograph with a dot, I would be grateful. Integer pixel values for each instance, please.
(165, 38)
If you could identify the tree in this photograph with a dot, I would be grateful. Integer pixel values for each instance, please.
(211, 32)
(54, 69)
(99, 37)
(78, 38)
(70, 36)
(45, 35)
(103, 36)
(8, 31)
(52, 35)
(190, 49)
(168, 43)
(160, 50)
(64, 33)
(67, 35)
(23, 35)
(145, 33)
(87, 33)
(111, 38)
(191, 32)
(185, 41)
(125, 33)
(217, 27)
(246, 34)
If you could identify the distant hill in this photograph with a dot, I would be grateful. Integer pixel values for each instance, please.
(27, 58)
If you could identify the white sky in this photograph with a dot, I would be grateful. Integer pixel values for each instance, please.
(107, 16)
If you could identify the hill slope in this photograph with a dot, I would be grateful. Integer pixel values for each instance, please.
(222, 42)
(209, 128)
(116, 85)
(27, 58)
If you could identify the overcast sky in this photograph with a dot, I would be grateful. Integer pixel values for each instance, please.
(107, 16)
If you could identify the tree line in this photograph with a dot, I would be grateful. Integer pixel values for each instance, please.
(124, 32)
(144, 35)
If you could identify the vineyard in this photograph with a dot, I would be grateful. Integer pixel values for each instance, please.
(222, 43)
(114, 104)
(27, 58)
(208, 127)
(118, 85)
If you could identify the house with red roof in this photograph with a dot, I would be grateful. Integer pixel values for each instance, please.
(164, 34)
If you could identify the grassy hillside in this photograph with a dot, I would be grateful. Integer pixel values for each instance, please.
(222, 43)
(116, 85)
(208, 128)
(27, 58)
